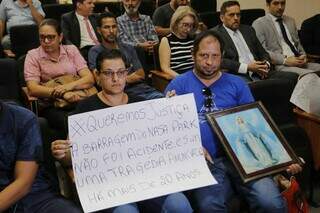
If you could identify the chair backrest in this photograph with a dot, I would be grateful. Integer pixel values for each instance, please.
(20, 71)
(249, 15)
(24, 38)
(9, 88)
(114, 7)
(55, 11)
(147, 7)
(275, 95)
(202, 6)
(210, 19)
(161, 2)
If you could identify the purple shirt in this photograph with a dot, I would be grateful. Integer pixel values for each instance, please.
(40, 67)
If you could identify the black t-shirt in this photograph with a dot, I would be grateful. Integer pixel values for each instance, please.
(94, 103)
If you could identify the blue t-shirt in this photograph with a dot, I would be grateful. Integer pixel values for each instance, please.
(227, 92)
(20, 140)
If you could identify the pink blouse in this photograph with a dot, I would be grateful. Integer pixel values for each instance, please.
(41, 68)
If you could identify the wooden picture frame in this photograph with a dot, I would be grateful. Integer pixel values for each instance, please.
(252, 140)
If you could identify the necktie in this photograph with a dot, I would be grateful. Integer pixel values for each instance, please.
(285, 37)
(89, 30)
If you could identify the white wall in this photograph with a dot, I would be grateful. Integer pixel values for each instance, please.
(299, 9)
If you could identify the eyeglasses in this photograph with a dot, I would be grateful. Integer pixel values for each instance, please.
(187, 25)
(120, 73)
(47, 37)
(207, 97)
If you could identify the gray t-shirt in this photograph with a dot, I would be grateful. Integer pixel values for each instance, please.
(162, 16)
(14, 14)
(128, 51)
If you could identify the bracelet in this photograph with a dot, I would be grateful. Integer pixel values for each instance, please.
(51, 94)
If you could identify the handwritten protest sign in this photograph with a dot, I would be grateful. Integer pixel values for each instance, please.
(137, 151)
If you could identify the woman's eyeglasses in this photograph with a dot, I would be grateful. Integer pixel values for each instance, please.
(206, 92)
(47, 37)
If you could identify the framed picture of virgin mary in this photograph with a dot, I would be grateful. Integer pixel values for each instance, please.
(252, 140)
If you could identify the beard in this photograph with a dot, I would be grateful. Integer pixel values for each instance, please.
(130, 10)
(206, 73)
(110, 39)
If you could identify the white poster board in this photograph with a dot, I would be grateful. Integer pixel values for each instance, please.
(137, 151)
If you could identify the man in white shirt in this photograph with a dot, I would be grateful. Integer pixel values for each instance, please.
(279, 36)
(79, 26)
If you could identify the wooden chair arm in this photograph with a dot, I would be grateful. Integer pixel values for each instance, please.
(160, 79)
(27, 94)
(305, 115)
(161, 74)
(313, 58)
(31, 101)
(66, 180)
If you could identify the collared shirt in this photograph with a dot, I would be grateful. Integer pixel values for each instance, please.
(40, 67)
(14, 14)
(85, 39)
(132, 32)
(242, 58)
(285, 47)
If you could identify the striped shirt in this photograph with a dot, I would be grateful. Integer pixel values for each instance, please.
(181, 57)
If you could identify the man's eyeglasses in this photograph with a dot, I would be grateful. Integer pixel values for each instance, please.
(206, 92)
(120, 73)
(47, 37)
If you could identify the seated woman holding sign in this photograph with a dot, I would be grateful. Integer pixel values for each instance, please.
(111, 76)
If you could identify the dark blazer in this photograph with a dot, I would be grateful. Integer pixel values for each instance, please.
(71, 29)
(230, 60)
(310, 35)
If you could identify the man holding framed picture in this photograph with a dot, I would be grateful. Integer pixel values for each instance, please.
(215, 90)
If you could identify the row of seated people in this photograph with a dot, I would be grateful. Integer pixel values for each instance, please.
(249, 60)
(83, 33)
(271, 49)
(111, 73)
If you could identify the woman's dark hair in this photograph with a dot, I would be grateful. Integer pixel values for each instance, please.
(53, 23)
(108, 55)
(205, 34)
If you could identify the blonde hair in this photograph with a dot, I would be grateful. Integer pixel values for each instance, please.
(179, 14)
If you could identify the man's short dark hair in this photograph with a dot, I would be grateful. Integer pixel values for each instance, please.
(205, 34)
(268, 1)
(105, 15)
(109, 55)
(227, 4)
(74, 3)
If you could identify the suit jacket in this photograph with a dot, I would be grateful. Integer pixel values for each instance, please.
(310, 35)
(71, 28)
(230, 59)
(270, 39)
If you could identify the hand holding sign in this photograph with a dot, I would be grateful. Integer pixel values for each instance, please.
(138, 151)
